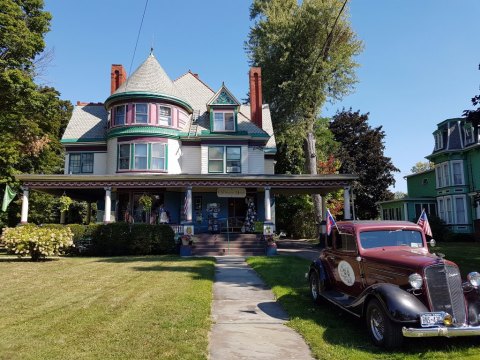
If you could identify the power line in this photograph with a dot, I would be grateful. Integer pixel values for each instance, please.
(138, 37)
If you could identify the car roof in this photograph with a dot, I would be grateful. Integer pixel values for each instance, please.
(362, 225)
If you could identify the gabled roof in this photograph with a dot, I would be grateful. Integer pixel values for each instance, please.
(149, 77)
(223, 97)
(87, 124)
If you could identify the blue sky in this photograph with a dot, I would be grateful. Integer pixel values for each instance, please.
(418, 68)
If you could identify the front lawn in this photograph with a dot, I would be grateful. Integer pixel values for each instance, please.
(154, 307)
(334, 334)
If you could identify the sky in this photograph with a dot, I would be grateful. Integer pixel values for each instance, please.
(419, 65)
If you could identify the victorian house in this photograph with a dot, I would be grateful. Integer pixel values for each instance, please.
(203, 158)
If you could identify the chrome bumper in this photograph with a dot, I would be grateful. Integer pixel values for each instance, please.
(441, 331)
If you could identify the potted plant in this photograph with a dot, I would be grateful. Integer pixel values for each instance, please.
(271, 245)
(186, 245)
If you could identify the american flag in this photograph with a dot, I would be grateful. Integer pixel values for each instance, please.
(424, 224)
(330, 222)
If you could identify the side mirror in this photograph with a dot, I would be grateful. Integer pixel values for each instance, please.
(433, 243)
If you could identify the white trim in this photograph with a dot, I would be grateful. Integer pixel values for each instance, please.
(170, 121)
(462, 174)
(223, 112)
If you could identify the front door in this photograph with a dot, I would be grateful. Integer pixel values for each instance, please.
(237, 210)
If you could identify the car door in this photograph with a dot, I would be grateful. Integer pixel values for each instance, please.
(346, 269)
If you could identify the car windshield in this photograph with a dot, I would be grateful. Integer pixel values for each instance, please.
(382, 238)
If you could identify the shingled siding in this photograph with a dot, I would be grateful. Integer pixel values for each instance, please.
(191, 160)
(255, 161)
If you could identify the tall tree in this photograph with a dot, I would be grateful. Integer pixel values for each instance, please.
(306, 51)
(422, 166)
(361, 153)
(32, 118)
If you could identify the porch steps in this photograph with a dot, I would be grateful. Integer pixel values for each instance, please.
(234, 244)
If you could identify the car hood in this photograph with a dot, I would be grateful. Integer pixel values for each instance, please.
(405, 257)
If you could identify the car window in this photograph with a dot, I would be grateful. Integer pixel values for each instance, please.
(383, 238)
(345, 242)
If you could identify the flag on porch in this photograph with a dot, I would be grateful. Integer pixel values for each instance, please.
(424, 224)
(8, 196)
(185, 206)
(330, 222)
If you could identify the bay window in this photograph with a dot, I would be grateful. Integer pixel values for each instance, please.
(140, 151)
(119, 113)
(141, 113)
(457, 171)
(164, 115)
(453, 209)
(158, 157)
(142, 156)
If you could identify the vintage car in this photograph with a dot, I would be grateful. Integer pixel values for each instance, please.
(382, 271)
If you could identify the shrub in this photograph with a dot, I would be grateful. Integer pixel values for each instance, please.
(37, 242)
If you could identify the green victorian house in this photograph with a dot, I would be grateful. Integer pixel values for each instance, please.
(451, 190)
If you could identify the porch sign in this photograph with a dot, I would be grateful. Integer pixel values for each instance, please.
(232, 192)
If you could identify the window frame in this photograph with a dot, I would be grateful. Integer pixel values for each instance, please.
(151, 157)
(115, 115)
(224, 128)
(83, 161)
(133, 156)
(462, 177)
(225, 160)
(119, 158)
(438, 136)
(147, 114)
(216, 160)
(159, 116)
(469, 134)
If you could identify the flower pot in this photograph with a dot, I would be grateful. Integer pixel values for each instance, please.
(185, 250)
(271, 249)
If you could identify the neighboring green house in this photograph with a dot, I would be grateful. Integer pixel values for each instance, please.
(452, 190)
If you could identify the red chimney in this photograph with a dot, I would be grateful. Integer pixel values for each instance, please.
(256, 96)
(118, 77)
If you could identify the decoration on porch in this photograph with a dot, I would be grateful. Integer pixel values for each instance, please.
(65, 202)
(251, 217)
(271, 245)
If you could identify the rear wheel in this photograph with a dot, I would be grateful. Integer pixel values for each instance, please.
(383, 331)
(316, 287)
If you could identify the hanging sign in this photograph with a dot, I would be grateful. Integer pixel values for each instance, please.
(232, 192)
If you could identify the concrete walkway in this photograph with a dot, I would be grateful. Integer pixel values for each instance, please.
(248, 322)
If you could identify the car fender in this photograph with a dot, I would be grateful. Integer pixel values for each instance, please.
(399, 305)
(318, 267)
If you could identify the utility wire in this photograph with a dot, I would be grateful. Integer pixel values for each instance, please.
(136, 43)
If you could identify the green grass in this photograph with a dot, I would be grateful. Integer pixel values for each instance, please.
(332, 333)
(105, 308)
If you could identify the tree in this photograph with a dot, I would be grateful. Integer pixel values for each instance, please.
(361, 153)
(474, 115)
(32, 117)
(422, 166)
(306, 52)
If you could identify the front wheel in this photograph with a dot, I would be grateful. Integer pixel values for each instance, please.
(315, 287)
(383, 331)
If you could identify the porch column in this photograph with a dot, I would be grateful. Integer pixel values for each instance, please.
(89, 212)
(62, 217)
(108, 205)
(405, 210)
(323, 228)
(24, 216)
(346, 203)
(268, 211)
(188, 215)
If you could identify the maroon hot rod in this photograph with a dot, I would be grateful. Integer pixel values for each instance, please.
(383, 272)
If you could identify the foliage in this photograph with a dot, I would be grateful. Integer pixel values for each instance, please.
(331, 333)
(294, 216)
(422, 166)
(65, 203)
(333, 200)
(30, 143)
(306, 51)
(399, 195)
(36, 242)
(137, 308)
(361, 153)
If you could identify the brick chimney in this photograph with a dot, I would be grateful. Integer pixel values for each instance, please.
(118, 77)
(255, 76)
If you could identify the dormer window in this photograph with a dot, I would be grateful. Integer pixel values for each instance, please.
(469, 134)
(223, 121)
(119, 115)
(141, 113)
(438, 140)
(164, 115)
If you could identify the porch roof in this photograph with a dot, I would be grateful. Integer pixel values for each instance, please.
(287, 184)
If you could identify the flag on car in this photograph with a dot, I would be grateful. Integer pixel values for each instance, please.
(330, 222)
(424, 224)
(8, 196)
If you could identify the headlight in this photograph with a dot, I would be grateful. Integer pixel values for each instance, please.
(415, 281)
(474, 278)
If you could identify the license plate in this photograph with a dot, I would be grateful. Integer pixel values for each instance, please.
(431, 319)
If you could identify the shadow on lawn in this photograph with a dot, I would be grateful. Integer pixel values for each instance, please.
(198, 268)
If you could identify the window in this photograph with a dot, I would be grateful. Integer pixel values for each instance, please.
(146, 156)
(457, 170)
(460, 217)
(215, 159)
(438, 140)
(345, 242)
(469, 134)
(158, 157)
(234, 159)
(164, 115)
(124, 157)
(223, 121)
(119, 115)
(141, 113)
(140, 153)
(224, 157)
(443, 175)
(80, 163)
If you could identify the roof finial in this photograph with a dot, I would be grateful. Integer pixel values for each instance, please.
(151, 51)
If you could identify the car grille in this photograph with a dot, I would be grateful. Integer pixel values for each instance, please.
(444, 286)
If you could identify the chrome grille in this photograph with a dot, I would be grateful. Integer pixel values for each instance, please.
(444, 286)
